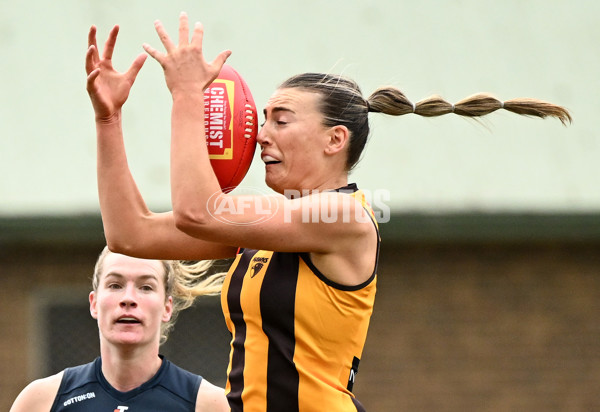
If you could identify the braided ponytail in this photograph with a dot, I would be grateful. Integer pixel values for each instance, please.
(342, 103)
(389, 100)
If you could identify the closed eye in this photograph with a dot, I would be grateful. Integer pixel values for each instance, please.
(278, 122)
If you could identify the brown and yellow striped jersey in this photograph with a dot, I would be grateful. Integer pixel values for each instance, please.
(297, 337)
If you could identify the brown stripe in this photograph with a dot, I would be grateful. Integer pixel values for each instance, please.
(236, 374)
(277, 306)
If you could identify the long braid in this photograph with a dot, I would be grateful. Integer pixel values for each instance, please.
(342, 103)
(390, 100)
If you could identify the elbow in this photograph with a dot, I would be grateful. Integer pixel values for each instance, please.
(129, 242)
(120, 247)
(190, 222)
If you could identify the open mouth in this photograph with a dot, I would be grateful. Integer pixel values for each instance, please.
(128, 320)
(269, 160)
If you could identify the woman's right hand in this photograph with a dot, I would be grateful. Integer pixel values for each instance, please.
(107, 88)
(185, 67)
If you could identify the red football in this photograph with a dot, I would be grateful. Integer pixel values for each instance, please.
(231, 126)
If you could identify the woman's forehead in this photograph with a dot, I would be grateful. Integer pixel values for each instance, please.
(292, 98)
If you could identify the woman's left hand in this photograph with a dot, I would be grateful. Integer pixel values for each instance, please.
(107, 88)
(186, 70)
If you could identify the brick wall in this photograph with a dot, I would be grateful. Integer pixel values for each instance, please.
(476, 328)
(22, 272)
(456, 328)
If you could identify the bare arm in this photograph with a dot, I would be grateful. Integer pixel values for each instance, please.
(211, 398)
(38, 396)
(130, 227)
(196, 194)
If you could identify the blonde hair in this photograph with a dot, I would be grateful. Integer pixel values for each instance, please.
(184, 282)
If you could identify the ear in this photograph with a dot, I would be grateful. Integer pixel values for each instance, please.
(168, 309)
(93, 310)
(338, 139)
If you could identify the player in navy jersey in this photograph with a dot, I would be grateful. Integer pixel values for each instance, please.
(134, 301)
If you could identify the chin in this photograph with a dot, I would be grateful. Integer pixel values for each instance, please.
(130, 341)
(127, 339)
(272, 185)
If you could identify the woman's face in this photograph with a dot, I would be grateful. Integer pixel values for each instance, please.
(293, 141)
(130, 303)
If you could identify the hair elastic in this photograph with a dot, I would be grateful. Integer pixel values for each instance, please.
(502, 105)
(452, 107)
(414, 107)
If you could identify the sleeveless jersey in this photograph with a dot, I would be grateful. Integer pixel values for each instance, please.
(85, 389)
(297, 337)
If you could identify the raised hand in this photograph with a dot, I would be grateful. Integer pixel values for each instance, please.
(186, 69)
(107, 88)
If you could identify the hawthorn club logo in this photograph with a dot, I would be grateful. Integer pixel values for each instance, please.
(258, 262)
(255, 269)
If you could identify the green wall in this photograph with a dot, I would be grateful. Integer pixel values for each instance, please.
(504, 163)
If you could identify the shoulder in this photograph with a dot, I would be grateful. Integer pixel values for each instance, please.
(181, 378)
(38, 395)
(211, 398)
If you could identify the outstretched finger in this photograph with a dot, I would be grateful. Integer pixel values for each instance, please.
(92, 36)
(91, 59)
(91, 78)
(136, 66)
(163, 36)
(184, 29)
(220, 60)
(92, 42)
(155, 54)
(198, 34)
(109, 46)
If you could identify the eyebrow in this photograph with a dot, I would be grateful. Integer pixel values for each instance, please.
(278, 109)
(120, 276)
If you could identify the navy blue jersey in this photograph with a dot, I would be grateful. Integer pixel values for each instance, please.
(84, 388)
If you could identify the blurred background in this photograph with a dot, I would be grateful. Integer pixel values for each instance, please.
(489, 292)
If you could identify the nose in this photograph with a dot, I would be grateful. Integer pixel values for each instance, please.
(129, 298)
(262, 138)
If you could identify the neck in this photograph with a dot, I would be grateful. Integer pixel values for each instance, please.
(316, 186)
(330, 180)
(128, 368)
